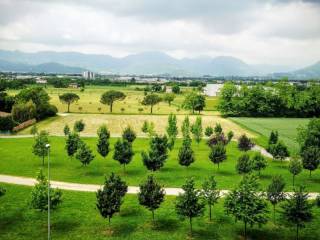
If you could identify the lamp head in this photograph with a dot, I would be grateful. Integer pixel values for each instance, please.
(47, 145)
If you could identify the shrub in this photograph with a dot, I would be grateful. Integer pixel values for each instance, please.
(244, 143)
(6, 123)
(217, 139)
(129, 135)
(208, 131)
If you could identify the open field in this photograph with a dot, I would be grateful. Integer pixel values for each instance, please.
(90, 101)
(17, 159)
(287, 128)
(77, 218)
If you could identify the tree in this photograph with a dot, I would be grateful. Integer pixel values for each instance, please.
(259, 162)
(196, 130)
(34, 130)
(246, 203)
(297, 210)
(151, 100)
(72, 144)
(66, 130)
(169, 97)
(273, 139)
(185, 128)
(176, 89)
(78, 126)
(145, 127)
(244, 164)
(295, 168)
(188, 203)
(186, 155)
(172, 129)
(210, 193)
(151, 194)
(69, 98)
(123, 152)
(39, 194)
(230, 136)
(84, 154)
(129, 135)
(217, 128)
(279, 151)
(111, 96)
(39, 146)
(217, 139)
(110, 197)
(103, 141)
(157, 155)
(275, 192)
(208, 131)
(310, 158)
(244, 143)
(218, 154)
(194, 102)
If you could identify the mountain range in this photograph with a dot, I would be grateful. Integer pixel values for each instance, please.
(144, 63)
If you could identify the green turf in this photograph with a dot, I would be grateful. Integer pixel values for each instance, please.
(17, 159)
(287, 128)
(77, 218)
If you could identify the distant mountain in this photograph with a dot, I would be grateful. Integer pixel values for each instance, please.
(141, 63)
(40, 68)
(309, 72)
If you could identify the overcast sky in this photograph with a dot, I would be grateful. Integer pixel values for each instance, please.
(279, 32)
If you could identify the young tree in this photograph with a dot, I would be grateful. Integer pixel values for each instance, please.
(69, 98)
(246, 203)
(129, 135)
(210, 193)
(176, 89)
(151, 131)
(172, 129)
(39, 194)
(196, 130)
(111, 96)
(66, 130)
(169, 97)
(151, 194)
(273, 139)
(39, 146)
(259, 162)
(186, 155)
(208, 131)
(218, 154)
(123, 153)
(103, 141)
(145, 127)
(84, 154)
(72, 143)
(275, 193)
(34, 130)
(244, 143)
(157, 155)
(295, 168)
(185, 127)
(310, 158)
(279, 151)
(297, 210)
(230, 136)
(109, 198)
(188, 203)
(151, 100)
(217, 128)
(244, 164)
(79, 126)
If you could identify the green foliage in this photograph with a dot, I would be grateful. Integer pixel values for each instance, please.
(72, 143)
(309, 136)
(39, 194)
(123, 152)
(84, 154)
(208, 131)
(274, 136)
(275, 192)
(185, 128)
(189, 204)
(295, 168)
(151, 100)
(111, 96)
(172, 129)
(34, 130)
(210, 193)
(196, 130)
(279, 150)
(7, 123)
(69, 98)
(194, 102)
(176, 89)
(128, 134)
(217, 128)
(245, 143)
(66, 130)
(317, 201)
(169, 97)
(22, 112)
(2, 191)
(157, 155)
(246, 203)
(110, 197)
(186, 154)
(103, 141)
(151, 194)
(244, 164)
(310, 158)
(218, 154)
(79, 126)
(145, 127)
(39, 147)
(230, 136)
(259, 162)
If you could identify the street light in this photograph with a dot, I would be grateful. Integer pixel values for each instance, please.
(48, 148)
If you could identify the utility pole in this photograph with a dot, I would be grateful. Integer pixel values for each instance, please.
(48, 147)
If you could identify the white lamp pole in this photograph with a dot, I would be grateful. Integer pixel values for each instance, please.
(48, 147)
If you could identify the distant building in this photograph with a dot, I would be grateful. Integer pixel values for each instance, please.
(212, 90)
(168, 89)
(73, 85)
(88, 75)
(41, 81)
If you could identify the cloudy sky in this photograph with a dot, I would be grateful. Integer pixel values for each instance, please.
(279, 32)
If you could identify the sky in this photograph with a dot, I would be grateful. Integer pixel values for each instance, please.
(276, 32)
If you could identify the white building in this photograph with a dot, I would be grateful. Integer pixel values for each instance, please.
(88, 75)
(41, 81)
(212, 90)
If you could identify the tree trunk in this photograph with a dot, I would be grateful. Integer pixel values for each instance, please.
(274, 213)
(68, 107)
(151, 106)
(245, 230)
(192, 110)
(309, 173)
(218, 166)
(199, 112)
(210, 212)
(293, 179)
(297, 232)
(109, 220)
(124, 168)
(190, 220)
(42, 160)
(111, 107)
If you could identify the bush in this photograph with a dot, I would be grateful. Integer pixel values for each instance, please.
(79, 126)
(6, 123)
(129, 135)
(208, 131)
(217, 139)
(244, 143)
(22, 112)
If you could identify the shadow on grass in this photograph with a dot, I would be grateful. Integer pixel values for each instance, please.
(64, 225)
(167, 225)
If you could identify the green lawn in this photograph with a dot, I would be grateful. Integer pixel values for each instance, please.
(287, 128)
(17, 159)
(77, 218)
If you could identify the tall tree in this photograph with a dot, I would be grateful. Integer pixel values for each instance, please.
(218, 154)
(186, 154)
(210, 193)
(84, 154)
(246, 203)
(244, 164)
(128, 134)
(151, 194)
(151, 100)
(72, 143)
(194, 102)
(188, 203)
(123, 153)
(259, 162)
(295, 168)
(39, 146)
(196, 130)
(111, 96)
(172, 129)
(110, 197)
(103, 141)
(275, 193)
(185, 127)
(310, 158)
(69, 98)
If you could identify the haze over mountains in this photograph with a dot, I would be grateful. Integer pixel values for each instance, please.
(142, 63)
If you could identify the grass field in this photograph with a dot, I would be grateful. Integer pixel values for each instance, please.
(77, 218)
(287, 128)
(17, 159)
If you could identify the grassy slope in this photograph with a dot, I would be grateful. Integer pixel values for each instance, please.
(77, 218)
(17, 159)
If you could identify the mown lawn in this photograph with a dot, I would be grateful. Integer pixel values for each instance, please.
(17, 159)
(286, 127)
(78, 218)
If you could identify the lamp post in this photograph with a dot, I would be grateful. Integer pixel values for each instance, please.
(48, 148)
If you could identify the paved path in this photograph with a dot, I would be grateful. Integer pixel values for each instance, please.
(93, 188)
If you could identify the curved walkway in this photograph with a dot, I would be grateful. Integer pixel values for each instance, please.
(93, 188)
